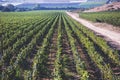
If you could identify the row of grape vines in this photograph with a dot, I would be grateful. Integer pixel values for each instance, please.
(53, 46)
(105, 17)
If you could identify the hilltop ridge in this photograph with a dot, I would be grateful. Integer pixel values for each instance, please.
(107, 7)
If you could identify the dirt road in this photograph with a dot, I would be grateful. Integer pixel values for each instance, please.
(111, 36)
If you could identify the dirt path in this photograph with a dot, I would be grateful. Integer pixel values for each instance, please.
(111, 36)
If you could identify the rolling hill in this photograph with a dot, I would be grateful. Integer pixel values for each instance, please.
(107, 7)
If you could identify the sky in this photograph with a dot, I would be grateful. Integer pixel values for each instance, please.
(44, 1)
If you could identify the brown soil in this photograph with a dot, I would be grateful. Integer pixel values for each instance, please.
(92, 69)
(71, 64)
(51, 56)
(107, 26)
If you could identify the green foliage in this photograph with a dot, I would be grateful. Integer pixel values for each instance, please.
(85, 37)
(27, 41)
(80, 65)
(106, 17)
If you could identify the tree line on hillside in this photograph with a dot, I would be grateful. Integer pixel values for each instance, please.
(12, 8)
